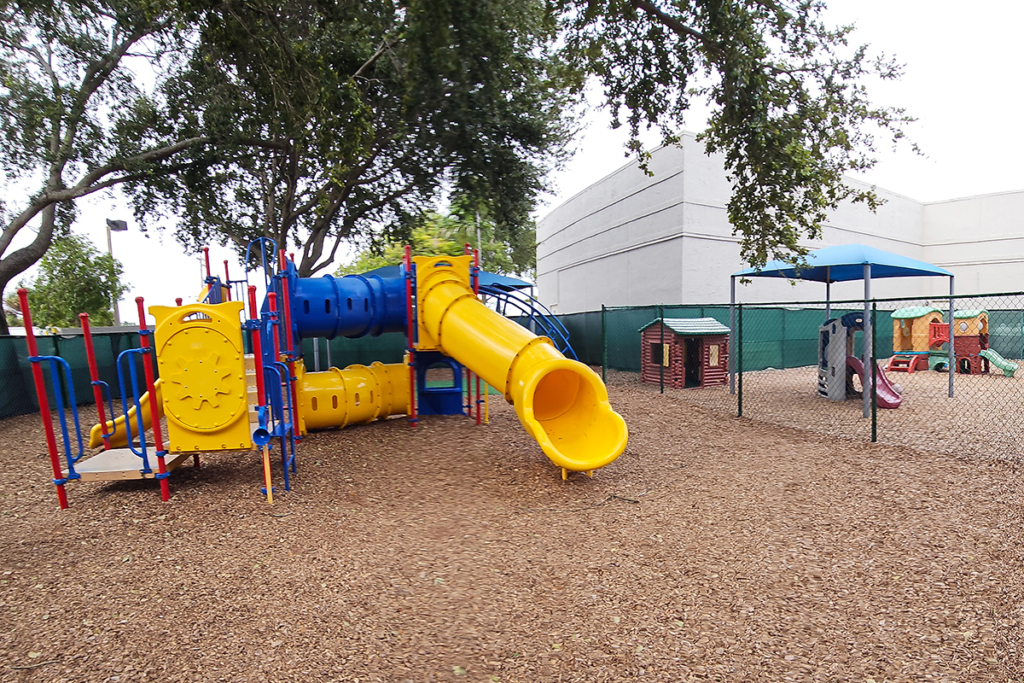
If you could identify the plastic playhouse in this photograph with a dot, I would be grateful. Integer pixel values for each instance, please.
(921, 342)
(837, 364)
(685, 352)
(231, 380)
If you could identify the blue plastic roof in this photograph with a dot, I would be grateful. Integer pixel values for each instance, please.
(486, 279)
(846, 262)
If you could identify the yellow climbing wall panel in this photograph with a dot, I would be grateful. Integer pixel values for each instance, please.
(202, 365)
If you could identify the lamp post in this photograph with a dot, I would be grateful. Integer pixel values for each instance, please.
(115, 226)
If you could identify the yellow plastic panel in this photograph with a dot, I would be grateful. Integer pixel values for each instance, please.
(433, 270)
(359, 393)
(562, 403)
(119, 439)
(201, 359)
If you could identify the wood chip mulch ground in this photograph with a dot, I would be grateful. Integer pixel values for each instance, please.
(714, 549)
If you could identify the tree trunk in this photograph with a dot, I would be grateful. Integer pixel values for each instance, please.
(17, 262)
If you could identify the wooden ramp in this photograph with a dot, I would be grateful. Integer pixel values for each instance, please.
(119, 464)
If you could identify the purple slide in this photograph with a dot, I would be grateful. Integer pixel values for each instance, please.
(887, 395)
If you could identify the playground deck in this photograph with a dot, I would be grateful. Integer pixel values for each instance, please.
(119, 464)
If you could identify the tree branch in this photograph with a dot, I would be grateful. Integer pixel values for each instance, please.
(677, 26)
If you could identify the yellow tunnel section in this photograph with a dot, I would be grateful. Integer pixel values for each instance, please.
(118, 435)
(562, 403)
(359, 393)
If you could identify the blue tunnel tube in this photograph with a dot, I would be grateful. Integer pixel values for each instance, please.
(349, 306)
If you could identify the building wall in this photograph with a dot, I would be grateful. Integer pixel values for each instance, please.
(633, 239)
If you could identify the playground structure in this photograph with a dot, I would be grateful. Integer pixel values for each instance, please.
(921, 342)
(837, 365)
(217, 393)
(684, 352)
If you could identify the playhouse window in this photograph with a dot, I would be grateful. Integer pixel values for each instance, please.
(713, 355)
(660, 353)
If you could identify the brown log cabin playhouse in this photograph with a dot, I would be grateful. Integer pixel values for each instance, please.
(695, 352)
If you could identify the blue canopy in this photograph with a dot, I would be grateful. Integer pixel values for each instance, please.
(846, 262)
(502, 282)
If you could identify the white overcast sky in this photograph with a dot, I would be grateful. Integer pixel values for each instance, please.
(963, 81)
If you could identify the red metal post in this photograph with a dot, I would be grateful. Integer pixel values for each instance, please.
(476, 290)
(94, 375)
(272, 299)
(286, 312)
(257, 343)
(44, 404)
(206, 255)
(154, 410)
(227, 279)
(407, 260)
(178, 301)
(289, 344)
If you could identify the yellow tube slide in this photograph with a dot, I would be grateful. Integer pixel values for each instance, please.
(119, 439)
(562, 403)
(359, 393)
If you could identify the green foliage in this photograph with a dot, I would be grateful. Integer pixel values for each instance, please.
(75, 278)
(379, 106)
(12, 310)
(790, 110)
(435, 234)
(74, 117)
(67, 104)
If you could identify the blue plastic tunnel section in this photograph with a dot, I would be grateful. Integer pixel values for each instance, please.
(350, 306)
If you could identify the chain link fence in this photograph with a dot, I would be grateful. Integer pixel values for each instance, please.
(787, 367)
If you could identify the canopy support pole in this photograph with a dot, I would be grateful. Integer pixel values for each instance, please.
(732, 335)
(828, 293)
(864, 385)
(952, 332)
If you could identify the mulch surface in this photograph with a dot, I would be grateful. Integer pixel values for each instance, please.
(715, 548)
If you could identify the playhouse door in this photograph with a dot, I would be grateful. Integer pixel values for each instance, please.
(693, 363)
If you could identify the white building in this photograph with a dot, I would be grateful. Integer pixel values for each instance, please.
(632, 239)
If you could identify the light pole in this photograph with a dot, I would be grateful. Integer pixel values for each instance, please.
(115, 226)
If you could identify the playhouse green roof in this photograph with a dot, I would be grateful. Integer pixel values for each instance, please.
(914, 312)
(691, 327)
(969, 313)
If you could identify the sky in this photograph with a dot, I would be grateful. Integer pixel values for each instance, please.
(962, 81)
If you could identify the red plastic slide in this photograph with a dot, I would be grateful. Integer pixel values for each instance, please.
(888, 397)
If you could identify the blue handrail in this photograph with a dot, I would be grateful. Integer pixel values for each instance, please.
(535, 312)
(261, 241)
(57, 362)
(110, 403)
(273, 374)
(133, 377)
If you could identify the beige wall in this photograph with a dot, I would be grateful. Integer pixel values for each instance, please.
(633, 239)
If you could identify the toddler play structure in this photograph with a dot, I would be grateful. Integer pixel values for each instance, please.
(920, 341)
(685, 352)
(216, 394)
(837, 364)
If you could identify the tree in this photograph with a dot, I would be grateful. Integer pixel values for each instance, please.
(73, 119)
(790, 108)
(75, 278)
(381, 105)
(436, 234)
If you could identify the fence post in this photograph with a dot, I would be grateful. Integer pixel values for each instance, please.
(874, 375)
(604, 345)
(782, 350)
(661, 362)
(739, 360)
